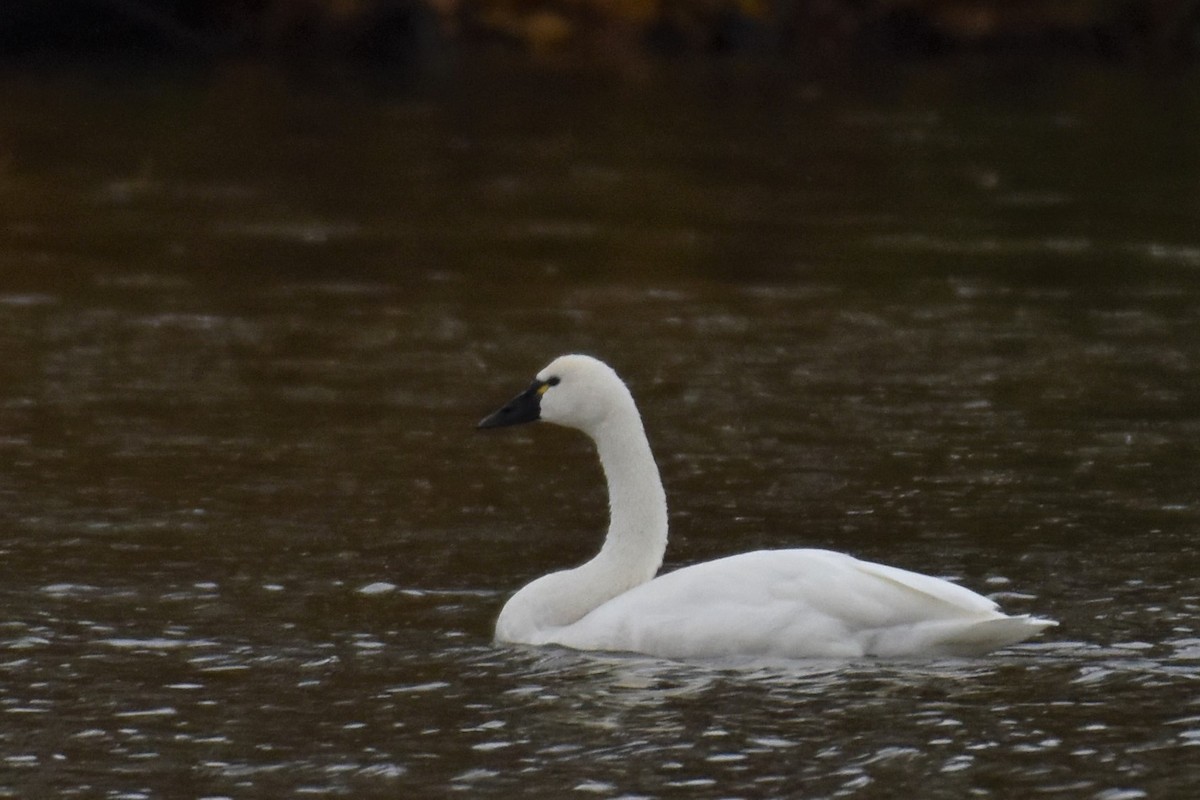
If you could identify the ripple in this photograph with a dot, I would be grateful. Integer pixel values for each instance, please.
(157, 644)
(379, 587)
(32, 300)
(165, 711)
(314, 232)
(68, 589)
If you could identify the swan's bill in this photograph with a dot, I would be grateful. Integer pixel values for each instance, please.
(525, 407)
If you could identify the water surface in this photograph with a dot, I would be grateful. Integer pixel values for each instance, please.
(251, 545)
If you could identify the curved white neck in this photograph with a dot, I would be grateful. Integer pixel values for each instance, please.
(632, 552)
(637, 529)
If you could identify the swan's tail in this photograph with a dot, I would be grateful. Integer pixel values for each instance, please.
(991, 634)
(957, 638)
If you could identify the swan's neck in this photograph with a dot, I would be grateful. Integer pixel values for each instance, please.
(637, 530)
(633, 549)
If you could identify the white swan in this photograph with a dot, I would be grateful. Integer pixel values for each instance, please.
(769, 603)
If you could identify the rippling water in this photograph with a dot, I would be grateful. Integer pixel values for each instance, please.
(252, 546)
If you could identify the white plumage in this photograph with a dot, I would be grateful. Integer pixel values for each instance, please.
(769, 603)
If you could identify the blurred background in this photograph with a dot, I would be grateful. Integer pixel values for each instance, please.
(418, 32)
(917, 280)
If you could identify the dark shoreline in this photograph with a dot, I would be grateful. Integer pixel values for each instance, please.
(408, 35)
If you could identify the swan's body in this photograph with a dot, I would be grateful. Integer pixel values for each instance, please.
(768, 603)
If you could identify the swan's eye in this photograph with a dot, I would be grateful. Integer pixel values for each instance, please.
(546, 384)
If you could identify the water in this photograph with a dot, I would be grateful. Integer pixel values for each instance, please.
(251, 545)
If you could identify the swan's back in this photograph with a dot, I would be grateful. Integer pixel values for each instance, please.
(795, 604)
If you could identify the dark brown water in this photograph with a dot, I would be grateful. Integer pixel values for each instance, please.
(251, 546)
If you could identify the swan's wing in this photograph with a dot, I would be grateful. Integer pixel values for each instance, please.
(790, 603)
(935, 588)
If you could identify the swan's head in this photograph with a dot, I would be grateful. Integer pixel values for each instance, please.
(575, 391)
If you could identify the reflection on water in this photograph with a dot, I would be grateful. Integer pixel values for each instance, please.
(251, 546)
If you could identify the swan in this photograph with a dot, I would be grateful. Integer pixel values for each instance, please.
(770, 604)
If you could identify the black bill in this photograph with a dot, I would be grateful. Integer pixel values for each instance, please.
(525, 407)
